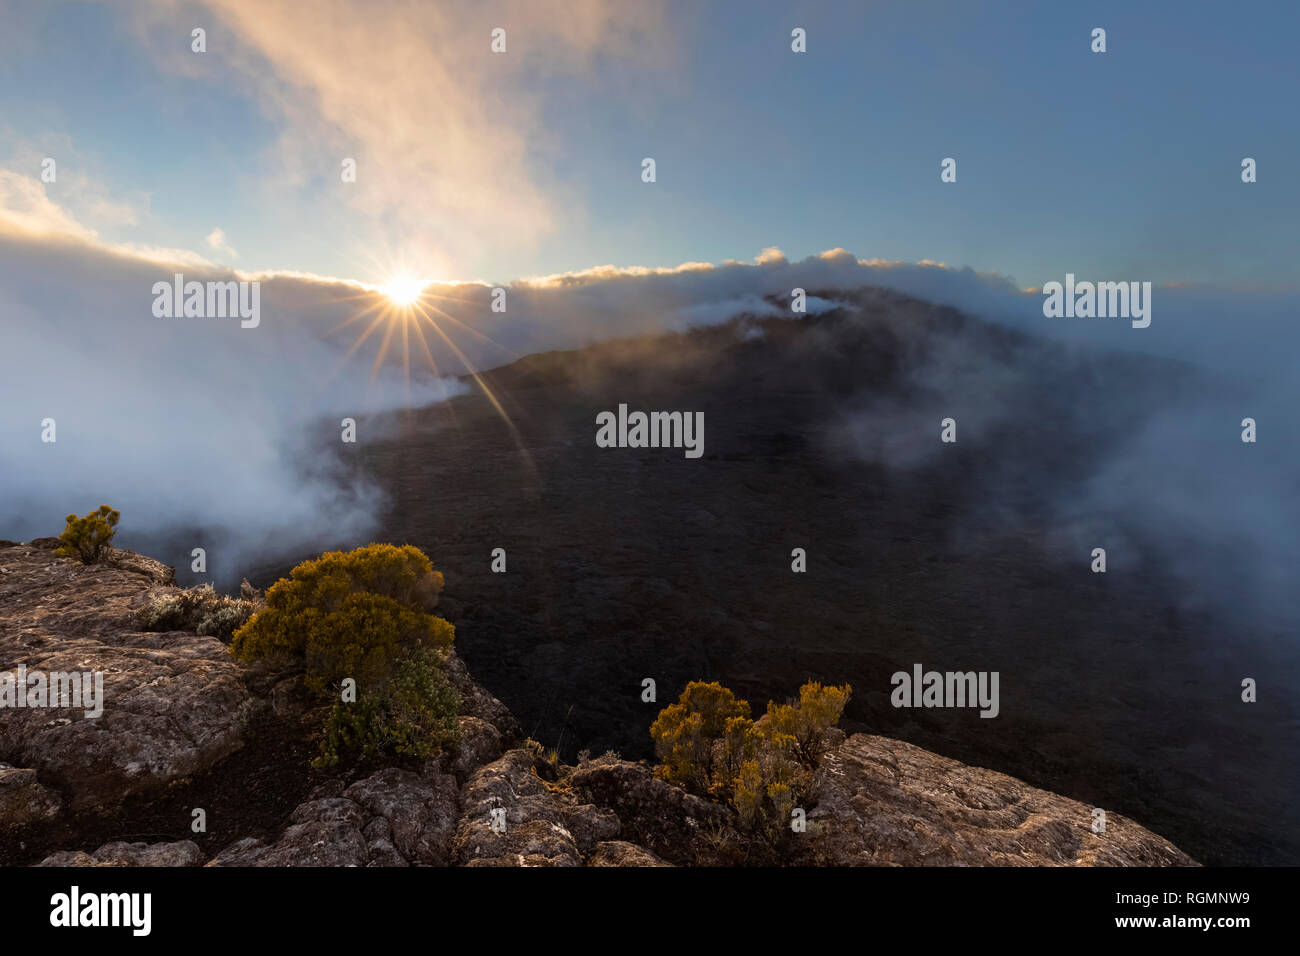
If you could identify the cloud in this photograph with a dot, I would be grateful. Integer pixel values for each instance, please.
(216, 241)
(191, 422)
(201, 432)
(25, 208)
(713, 313)
(445, 133)
(28, 212)
(78, 187)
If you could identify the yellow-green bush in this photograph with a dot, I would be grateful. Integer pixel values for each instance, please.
(86, 538)
(353, 614)
(765, 793)
(708, 744)
(806, 723)
(685, 734)
(413, 715)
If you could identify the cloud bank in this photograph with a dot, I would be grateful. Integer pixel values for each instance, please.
(182, 424)
(188, 423)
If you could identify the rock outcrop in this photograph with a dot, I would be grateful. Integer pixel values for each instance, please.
(23, 799)
(512, 817)
(392, 818)
(173, 704)
(666, 820)
(120, 853)
(878, 801)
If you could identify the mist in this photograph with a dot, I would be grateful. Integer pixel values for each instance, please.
(201, 431)
(202, 434)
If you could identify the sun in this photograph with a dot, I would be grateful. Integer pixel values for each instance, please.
(403, 290)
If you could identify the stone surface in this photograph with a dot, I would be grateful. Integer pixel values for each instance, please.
(174, 703)
(880, 801)
(480, 744)
(181, 853)
(391, 818)
(536, 821)
(621, 853)
(676, 825)
(23, 799)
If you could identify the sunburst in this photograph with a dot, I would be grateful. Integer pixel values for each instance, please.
(403, 290)
(406, 308)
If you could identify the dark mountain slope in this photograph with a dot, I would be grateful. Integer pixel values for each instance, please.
(823, 433)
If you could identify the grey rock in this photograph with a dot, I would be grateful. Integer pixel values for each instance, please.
(23, 799)
(121, 853)
(880, 801)
(622, 853)
(536, 832)
(591, 825)
(480, 744)
(422, 811)
(670, 822)
(303, 844)
(174, 703)
(391, 818)
(180, 853)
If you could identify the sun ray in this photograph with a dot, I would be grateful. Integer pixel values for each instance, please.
(383, 350)
(514, 356)
(378, 321)
(478, 380)
(411, 303)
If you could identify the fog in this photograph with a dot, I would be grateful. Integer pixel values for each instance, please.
(230, 435)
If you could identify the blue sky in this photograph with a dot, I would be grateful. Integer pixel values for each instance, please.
(1117, 165)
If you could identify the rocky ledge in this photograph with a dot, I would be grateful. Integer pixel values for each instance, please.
(175, 705)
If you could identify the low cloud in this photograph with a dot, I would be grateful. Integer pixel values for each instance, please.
(197, 422)
(183, 424)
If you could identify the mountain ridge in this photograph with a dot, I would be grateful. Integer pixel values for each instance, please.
(875, 801)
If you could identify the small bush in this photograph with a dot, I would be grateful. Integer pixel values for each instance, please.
(767, 788)
(363, 615)
(806, 723)
(199, 609)
(709, 745)
(87, 538)
(685, 734)
(353, 614)
(414, 715)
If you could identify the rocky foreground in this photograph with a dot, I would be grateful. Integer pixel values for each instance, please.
(179, 713)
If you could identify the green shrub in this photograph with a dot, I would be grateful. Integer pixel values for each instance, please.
(768, 787)
(199, 609)
(413, 715)
(806, 723)
(685, 735)
(709, 745)
(353, 614)
(87, 538)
